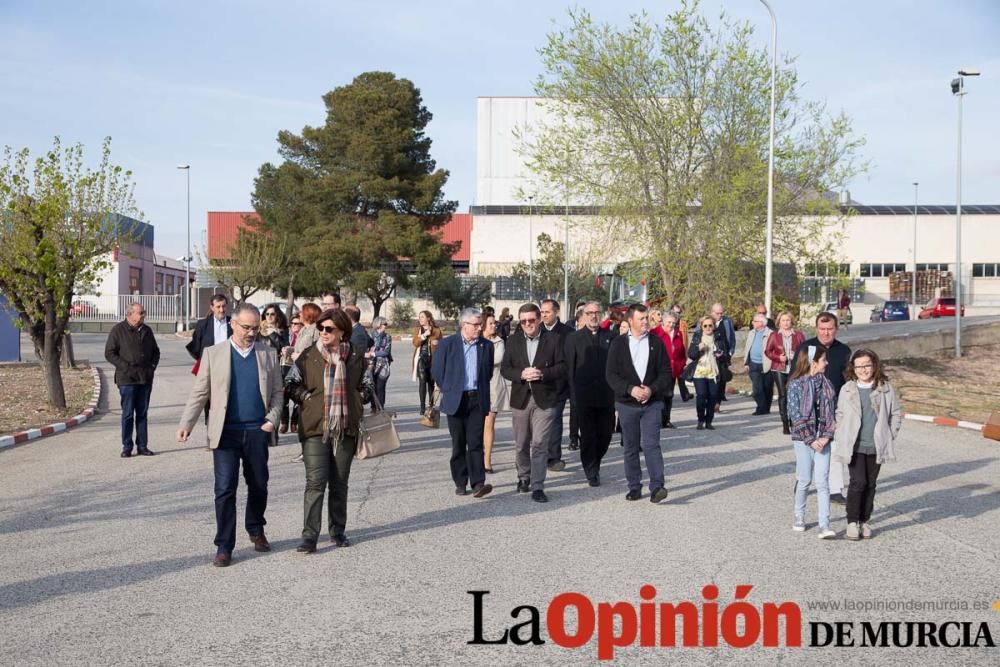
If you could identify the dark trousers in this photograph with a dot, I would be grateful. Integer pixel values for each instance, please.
(721, 396)
(425, 384)
(250, 447)
(380, 384)
(763, 386)
(466, 429)
(135, 405)
(668, 398)
(780, 380)
(574, 424)
(861, 490)
(556, 432)
(327, 464)
(706, 393)
(641, 430)
(596, 425)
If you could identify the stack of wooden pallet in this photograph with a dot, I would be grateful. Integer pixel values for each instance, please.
(930, 284)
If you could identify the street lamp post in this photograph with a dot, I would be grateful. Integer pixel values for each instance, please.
(958, 89)
(913, 295)
(769, 245)
(531, 248)
(187, 253)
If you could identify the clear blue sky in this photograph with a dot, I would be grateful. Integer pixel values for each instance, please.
(211, 83)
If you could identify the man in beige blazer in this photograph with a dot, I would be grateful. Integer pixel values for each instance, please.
(242, 379)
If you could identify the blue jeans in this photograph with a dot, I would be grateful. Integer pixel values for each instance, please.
(706, 392)
(641, 429)
(806, 460)
(135, 404)
(250, 447)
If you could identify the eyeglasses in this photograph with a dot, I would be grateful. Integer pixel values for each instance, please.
(473, 324)
(296, 324)
(249, 327)
(270, 313)
(528, 320)
(863, 367)
(591, 312)
(328, 330)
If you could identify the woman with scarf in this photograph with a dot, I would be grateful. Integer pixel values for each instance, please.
(780, 348)
(708, 349)
(811, 400)
(326, 383)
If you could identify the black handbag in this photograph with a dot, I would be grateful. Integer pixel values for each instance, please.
(688, 373)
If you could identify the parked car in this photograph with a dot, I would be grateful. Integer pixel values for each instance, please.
(82, 308)
(943, 306)
(831, 307)
(891, 311)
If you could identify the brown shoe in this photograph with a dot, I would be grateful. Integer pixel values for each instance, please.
(482, 490)
(295, 428)
(283, 428)
(260, 543)
(222, 559)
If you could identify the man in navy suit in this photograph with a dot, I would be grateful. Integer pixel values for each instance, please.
(462, 367)
(638, 372)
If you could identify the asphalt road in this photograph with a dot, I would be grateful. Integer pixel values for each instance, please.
(106, 560)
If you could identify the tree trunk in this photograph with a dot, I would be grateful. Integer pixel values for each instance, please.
(50, 360)
(290, 298)
(68, 356)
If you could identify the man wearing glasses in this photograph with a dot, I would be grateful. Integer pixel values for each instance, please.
(591, 396)
(535, 365)
(462, 366)
(131, 348)
(243, 380)
(639, 374)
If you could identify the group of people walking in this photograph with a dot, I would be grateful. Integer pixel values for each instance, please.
(839, 408)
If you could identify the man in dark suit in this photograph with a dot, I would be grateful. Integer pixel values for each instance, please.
(534, 364)
(359, 335)
(550, 320)
(639, 374)
(727, 329)
(592, 398)
(213, 329)
(131, 348)
(462, 366)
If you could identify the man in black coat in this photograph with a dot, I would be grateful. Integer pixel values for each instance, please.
(131, 348)
(211, 330)
(592, 398)
(550, 320)
(533, 362)
(639, 374)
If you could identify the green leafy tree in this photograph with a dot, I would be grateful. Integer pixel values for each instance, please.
(360, 196)
(59, 220)
(256, 261)
(665, 127)
(451, 294)
(549, 273)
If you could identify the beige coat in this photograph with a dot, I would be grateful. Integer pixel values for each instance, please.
(212, 384)
(888, 418)
(746, 348)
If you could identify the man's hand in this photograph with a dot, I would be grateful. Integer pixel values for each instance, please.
(267, 427)
(531, 374)
(641, 393)
(820, 443)
(182, 435)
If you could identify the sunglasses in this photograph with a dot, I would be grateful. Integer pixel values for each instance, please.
(270, 313)
(530, 320)
(328, 330)
(296, 324)
(707, 326)
(248, 327)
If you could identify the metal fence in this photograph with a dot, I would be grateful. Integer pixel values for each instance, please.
(114, 307)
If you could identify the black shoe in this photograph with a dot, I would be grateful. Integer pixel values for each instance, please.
(523, 486)
(307, 547)
(669, 425)
(687, 398)
(633, 495)
(709, 427)
(594, 481)
(145, 452)
(340, 540)
(539, 496)
(838, 498)
(126, 454)
(460, 492)
(489, 471)
(574, 445)
(700, 426)
(658, 496)
(557, 465)
(786, 430)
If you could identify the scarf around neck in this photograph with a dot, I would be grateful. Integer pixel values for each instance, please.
(334, 390)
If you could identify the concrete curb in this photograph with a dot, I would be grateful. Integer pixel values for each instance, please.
(59, 427)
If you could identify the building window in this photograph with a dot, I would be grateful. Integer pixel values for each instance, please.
(880, 270)
(171, 285)
(989, 270)
(941, 266)
(827, 269)
(134, 280)
(159, 282)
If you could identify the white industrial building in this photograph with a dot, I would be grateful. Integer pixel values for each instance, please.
(877, 240)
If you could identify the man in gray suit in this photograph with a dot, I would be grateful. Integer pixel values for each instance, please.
(242, 379)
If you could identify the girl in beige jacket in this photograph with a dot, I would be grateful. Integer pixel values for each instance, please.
(868, 420)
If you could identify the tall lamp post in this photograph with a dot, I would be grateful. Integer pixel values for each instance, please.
(531, 248)
(958, 89)
(913, 295)
(769, 246)
(187, 253)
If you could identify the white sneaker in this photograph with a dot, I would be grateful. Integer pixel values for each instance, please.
(853, 532)
(866, 530)
(297, 459)
(800, 524)
(825, 533)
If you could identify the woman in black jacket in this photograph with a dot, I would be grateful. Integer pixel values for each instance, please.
(274, 333)
(708, 349)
